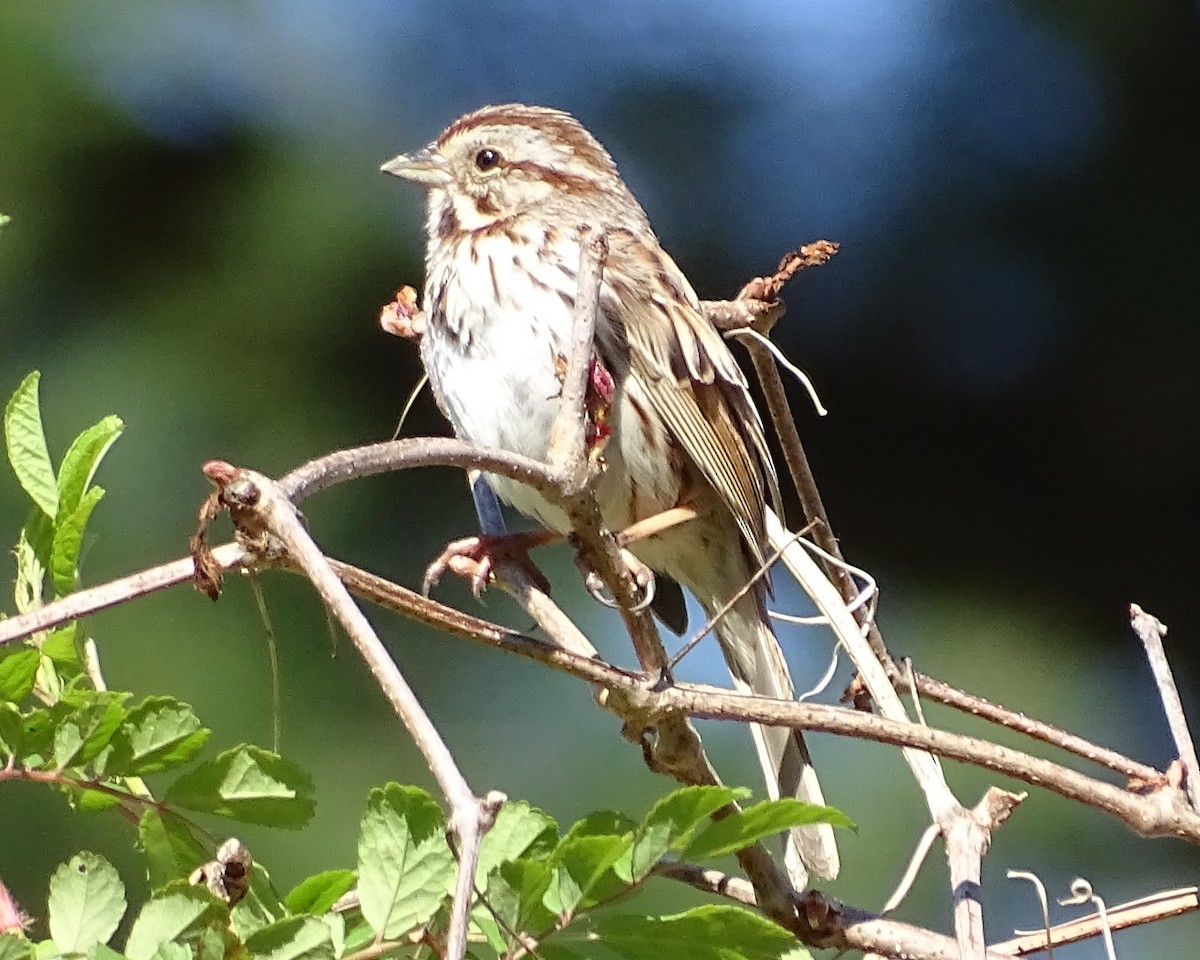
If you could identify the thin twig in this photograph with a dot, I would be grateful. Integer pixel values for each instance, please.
(1151, 631)
(94, 599)
(256, 503)
(1159, 906)
(566, 452)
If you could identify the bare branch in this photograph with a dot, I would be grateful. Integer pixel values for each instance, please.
(566, 453)
(1151, 631)
(1159, 906)
(258, 507)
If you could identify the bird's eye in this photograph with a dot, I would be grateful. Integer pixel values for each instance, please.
(487, 159)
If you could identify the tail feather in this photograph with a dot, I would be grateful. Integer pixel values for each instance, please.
(756, 662)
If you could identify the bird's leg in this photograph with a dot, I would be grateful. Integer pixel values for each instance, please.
(476, 557)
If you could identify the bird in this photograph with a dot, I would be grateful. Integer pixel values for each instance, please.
(508, 188)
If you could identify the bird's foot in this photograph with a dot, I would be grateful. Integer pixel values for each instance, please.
(642, 575)
(475, 558)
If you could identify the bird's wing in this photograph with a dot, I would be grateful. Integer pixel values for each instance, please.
(692, 380)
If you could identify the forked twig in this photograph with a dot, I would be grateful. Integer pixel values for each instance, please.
(258, 506)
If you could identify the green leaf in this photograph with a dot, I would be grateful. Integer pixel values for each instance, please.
(27, 450)
(515, 891)
(87, 901)
(603, 823)
(37, 729)
(68, 541)
(177, 913)
(87, 729)
(248, 784)
(714, 932)
(18, 671)
(81, 460)
(260, 907)
(317, 894)
(60, 645)
(765, 819)
(158, 733)
(671, 822)
(520, 830)
(5, 220)
(12, 732)
(13, 947)
(172, 951)
(31, 564)
(295, 938)
(404, 863)
(171, 851)
(102, 952)
(583, 871)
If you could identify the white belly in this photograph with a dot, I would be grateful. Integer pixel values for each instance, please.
(501, 386)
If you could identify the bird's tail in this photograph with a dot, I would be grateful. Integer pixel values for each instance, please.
(756, 662)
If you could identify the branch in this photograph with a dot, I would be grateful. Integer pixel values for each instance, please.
(566, 453)
(829, 924)
(1151, 631)
(261, 511)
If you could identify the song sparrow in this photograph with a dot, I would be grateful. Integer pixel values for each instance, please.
(508, 189)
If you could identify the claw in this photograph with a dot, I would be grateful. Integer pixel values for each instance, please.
(475, 559)
(642, 575)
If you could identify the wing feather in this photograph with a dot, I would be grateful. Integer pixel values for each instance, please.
(693, 381)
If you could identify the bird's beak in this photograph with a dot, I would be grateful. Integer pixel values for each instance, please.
(425, 166)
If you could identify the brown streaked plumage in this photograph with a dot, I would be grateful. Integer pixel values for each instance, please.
(509, 186)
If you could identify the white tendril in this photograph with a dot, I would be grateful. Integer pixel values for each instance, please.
(787, 365)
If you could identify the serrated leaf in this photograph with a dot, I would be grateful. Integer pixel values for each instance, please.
(178, 912)
(765, 819)
(583, 871)
(672, 821)
(158, 733)
(87, 902)
(68, 540)
(82, 459)
(87, 729)
(13, 947)
(171, 851)
(248, 784)
(714, 932)
(18, 672)
(520, 830)
(102, 952)
(515, 891)
(60, 645)
(317, 894)
(26, 441)
(295, 938)
(404, 863)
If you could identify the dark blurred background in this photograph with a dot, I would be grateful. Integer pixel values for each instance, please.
(1008, 344)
